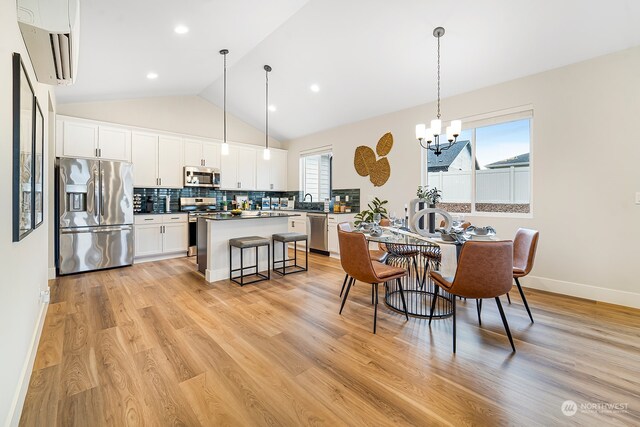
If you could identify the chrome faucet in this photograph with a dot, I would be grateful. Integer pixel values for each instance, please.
(305, 197)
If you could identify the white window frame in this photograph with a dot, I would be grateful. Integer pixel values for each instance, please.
(312, 152)
(488, 119)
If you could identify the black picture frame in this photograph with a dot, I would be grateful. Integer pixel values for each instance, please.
(23, 147)
(38, 167)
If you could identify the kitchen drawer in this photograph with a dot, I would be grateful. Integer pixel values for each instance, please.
(171, 218)
(147, 219)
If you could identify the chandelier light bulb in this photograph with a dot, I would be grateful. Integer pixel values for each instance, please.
(436, 127)
(428, 136)
(456, 127)
(420, 131)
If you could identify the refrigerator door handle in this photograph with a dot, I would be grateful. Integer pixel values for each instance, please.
(95, 229)
(102, 193)
(96, 195)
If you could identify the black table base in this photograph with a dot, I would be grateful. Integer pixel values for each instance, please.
(419, 289)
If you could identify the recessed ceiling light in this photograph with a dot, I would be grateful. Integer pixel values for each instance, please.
(314, 88)
(181, 29)
(272, 108)
(152, 76)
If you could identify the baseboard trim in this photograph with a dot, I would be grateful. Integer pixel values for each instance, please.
(52, 273)
(161, 257)
(595, 293)
(13, 418)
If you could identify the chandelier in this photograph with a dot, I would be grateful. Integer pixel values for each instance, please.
(432, 134)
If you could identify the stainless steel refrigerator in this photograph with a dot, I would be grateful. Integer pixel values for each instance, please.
(95, 214)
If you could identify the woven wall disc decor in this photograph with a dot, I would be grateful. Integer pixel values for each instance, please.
(366, 163)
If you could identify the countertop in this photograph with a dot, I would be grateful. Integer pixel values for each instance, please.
(161, 213)
(320, 212)
(259, 215)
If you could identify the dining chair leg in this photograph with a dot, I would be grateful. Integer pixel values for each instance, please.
(433, 302)
(508, 297)
(344, 283)
(415, 267)
(454, 325)
(479, 308)
(346, 293)
(506, 325)
(524, 299)
(375, 308)
(404, 302)
(372, 295)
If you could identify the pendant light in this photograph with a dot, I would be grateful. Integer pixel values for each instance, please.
(267, 152)
(432, 135)
(225, 146)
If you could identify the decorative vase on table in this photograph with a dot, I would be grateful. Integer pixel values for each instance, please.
(432, 219)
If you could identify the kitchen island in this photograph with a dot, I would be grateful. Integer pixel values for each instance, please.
(215, 230)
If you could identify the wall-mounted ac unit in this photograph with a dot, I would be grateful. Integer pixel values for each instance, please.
(50, 29)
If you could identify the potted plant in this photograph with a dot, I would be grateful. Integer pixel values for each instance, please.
(376, 206)
(431, 198)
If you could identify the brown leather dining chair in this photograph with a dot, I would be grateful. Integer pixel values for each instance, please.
(359, 266)
(379, 254)
(524, 252)
(484, 271)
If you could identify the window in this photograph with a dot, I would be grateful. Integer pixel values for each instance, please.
(488, 169)
(315, 175)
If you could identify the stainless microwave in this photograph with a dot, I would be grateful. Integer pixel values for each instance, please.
(199, 176)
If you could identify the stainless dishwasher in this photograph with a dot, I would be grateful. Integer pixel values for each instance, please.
(318, 241)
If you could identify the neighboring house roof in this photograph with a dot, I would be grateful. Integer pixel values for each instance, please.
(520, 160)
(444, 160)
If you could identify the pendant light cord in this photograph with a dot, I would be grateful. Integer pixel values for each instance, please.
(224, 101)
(266, 132)
(439, 77)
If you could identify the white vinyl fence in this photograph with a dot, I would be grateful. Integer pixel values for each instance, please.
(510, 185)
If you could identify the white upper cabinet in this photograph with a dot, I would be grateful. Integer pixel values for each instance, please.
(271, 174)
(79, 140)
(114, 143)
(246, 168)
(229, 170)
(211, 154)
(238, 169)
(144, 156)
(170, 169)
(157, 160)
(192, 153)
(278, 172)
(89, 140)
(201, 153)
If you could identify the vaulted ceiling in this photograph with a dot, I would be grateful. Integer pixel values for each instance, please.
(368, 57)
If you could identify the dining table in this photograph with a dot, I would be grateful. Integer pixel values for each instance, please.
(418, 255)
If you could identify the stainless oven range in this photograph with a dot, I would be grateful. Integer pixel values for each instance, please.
(196, 206)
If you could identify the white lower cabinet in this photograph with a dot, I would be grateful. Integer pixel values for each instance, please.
(332, 224)
(298, 224)
(161, 236)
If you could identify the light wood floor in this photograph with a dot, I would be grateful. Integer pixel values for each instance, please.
(154, 344)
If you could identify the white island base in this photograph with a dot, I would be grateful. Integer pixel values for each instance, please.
(220, 231)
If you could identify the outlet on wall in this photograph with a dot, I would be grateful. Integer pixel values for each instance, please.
(45, 296)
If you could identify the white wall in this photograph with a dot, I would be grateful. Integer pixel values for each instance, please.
(585, 119)
(24, 264)
(190, 115)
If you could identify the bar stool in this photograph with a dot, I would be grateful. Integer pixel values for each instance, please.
(286, 238)
(243, 243)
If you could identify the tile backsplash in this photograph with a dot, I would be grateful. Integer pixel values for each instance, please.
(156, 198)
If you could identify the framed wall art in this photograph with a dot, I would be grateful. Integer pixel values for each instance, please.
(23, 150)
(38, 167)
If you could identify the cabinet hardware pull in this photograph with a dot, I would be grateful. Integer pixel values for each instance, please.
(99, 152)
(148, 219)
